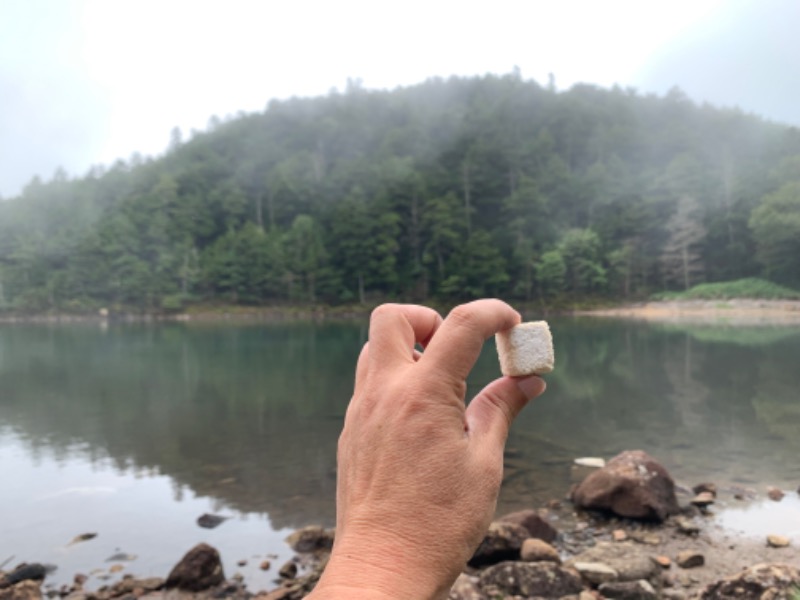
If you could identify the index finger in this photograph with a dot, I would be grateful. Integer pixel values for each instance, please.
(457, 343)
(395, 328)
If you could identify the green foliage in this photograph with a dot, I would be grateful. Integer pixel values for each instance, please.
(444, 191)
(750, 287)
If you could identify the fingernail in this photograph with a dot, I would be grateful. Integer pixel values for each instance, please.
(531, 386)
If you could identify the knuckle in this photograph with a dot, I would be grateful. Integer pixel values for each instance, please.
(464, 316)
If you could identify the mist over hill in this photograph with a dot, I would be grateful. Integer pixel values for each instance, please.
(449, 190)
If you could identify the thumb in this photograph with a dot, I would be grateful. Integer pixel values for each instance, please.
(492, 411)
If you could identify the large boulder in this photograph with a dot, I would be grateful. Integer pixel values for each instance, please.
(198, 570)
(501, 542)
(776, 582)
(537, 525)
(633, 484)
(540, 579)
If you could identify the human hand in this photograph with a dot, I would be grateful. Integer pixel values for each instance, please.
(419, 473)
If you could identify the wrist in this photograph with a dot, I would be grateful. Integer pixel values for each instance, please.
(359, 571)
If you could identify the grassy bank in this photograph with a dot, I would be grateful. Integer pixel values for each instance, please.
(750, 288)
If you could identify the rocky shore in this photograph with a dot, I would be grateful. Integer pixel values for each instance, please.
(627, 531)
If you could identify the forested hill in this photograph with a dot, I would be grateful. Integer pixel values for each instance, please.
(451, 189)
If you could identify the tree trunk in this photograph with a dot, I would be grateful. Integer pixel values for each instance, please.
(467, 194)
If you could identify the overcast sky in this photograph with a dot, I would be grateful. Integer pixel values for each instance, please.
(84, 82)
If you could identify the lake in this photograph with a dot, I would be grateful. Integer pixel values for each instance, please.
(132, 431)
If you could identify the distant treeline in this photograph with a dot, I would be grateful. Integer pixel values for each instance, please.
(448, 190)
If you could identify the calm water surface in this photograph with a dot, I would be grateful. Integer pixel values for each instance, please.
(133, 431)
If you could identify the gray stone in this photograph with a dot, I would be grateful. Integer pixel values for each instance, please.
(536, 524)
(288, 570)
(503, 541)
(198, 570)
(777, 582)
(539, 579)
(632, 484)
(595, 572)
(629, 590)
(626, 558)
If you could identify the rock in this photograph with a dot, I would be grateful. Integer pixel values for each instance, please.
(629, 590)
(689, 559)
(288, 570)
(121, 556)
(777, 541)
(24, 572)
(619, 535)
(198, 570)
(265, 565)
(83, 537)
(116, 568)
(537, 525)
(596, 572)
(672, 595)
(632, 484)
(311, 539)
(465, 588)
(129, 585)
(22, 590)
(80, 579)
(775, 494)
(663, 561)
(703, 499)
(687, 526)
(209, 521)
(711, 488)
(539, 579)
(626, 558)
(503, 541)
(534, 550)
(591, 461)
(755, 583)
(241, 563)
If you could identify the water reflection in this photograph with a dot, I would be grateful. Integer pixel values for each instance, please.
(248, 415)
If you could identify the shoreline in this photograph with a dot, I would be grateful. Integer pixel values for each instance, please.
(733, 312)
(741, 311)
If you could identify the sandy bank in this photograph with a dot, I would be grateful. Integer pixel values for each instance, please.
(733, 312)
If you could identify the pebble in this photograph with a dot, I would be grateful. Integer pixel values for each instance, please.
(663, 561)
(686, 526)
(595, 572)
(711, 488)
(116, 568)
(591, 461)
(777, 541)
(534, 550)
(80, 578)
(242, 563)
(703, 499)
(265, 565)
(688, 559)
(619, 535)
(775, 494)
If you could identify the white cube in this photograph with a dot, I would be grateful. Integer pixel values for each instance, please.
(526, 349)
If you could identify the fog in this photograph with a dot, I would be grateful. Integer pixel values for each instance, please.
(88, 82)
